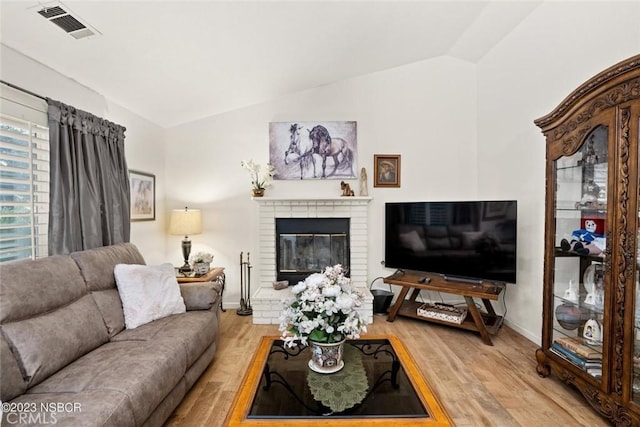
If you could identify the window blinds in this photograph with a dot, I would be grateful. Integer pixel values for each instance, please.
(24, 188)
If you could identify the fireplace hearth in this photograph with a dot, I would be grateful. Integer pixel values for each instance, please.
(266, 300)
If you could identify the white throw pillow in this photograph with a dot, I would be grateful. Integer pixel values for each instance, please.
(148, 292)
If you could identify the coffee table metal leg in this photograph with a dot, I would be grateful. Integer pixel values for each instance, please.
(395, 367)
(267, 377)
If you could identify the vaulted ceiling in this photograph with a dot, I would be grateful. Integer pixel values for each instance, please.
(177, 61)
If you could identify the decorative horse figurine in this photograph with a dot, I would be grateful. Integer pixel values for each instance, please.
(304, 152)
(325, 146)
(346, 189)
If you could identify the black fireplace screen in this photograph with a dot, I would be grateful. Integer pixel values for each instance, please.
(309, 253)
(308, 245)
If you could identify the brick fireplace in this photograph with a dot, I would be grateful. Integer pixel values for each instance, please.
(266, 300)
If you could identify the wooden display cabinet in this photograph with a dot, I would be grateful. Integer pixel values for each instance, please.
(591, 312)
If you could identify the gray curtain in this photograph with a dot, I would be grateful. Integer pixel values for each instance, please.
(89, 193)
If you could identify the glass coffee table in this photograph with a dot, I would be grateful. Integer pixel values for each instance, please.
(380, 384)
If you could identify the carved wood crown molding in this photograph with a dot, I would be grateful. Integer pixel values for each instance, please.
(587, 87)
(576, 129)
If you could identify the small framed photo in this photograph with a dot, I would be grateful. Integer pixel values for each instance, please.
(386, 170)
(143, 196)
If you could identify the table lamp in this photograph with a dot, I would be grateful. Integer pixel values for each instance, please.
(185, 222)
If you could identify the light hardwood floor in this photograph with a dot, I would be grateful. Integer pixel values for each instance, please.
(478, 385)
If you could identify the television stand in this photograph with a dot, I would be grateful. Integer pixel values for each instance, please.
(484, 323)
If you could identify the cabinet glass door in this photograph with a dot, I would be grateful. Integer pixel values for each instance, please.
(580, 257)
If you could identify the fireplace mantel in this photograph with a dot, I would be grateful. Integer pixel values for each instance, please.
(312, 199)
(266, 301)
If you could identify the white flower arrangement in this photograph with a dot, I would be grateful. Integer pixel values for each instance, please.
(323, 308)
(259, 182)
(205, 257)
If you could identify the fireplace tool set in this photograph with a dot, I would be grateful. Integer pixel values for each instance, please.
(245, 286)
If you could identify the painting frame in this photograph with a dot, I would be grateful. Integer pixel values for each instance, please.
(143, 196)
(386, 170)
(313, 150)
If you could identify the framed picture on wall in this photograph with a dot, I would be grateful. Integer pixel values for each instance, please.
(313, 150)
(386, 170)
(143, 196)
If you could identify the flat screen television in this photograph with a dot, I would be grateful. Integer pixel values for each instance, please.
(461, 240)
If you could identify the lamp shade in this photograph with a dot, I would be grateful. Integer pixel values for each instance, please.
(185, 222)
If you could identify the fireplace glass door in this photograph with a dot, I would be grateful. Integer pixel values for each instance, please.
(308, 245)
(310, 253)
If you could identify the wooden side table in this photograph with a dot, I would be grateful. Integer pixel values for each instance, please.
(215, 274)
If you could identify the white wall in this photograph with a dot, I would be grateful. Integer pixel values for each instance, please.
(143, 140)
(463, 132)
(554, 50)
(425, 111)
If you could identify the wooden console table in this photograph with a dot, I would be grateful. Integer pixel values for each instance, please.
(484, 323)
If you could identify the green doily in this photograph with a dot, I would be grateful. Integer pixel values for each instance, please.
(344, 389)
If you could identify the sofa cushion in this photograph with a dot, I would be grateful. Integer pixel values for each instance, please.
(110, 306)
(11, 382)
(148, 293)
(143, 371)
(106, 408)
(96, 266)
(32, 287)
(191, 332)
(164, 410)
(200, 295)
(200, 365)
(44, 344)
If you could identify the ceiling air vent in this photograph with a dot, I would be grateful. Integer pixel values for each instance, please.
(61, 15)
(50, 12)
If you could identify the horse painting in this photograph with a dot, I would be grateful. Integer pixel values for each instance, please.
(326, 146)
(301, 151)
(297, 149)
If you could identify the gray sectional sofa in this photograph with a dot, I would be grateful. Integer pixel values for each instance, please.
(67, 359)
